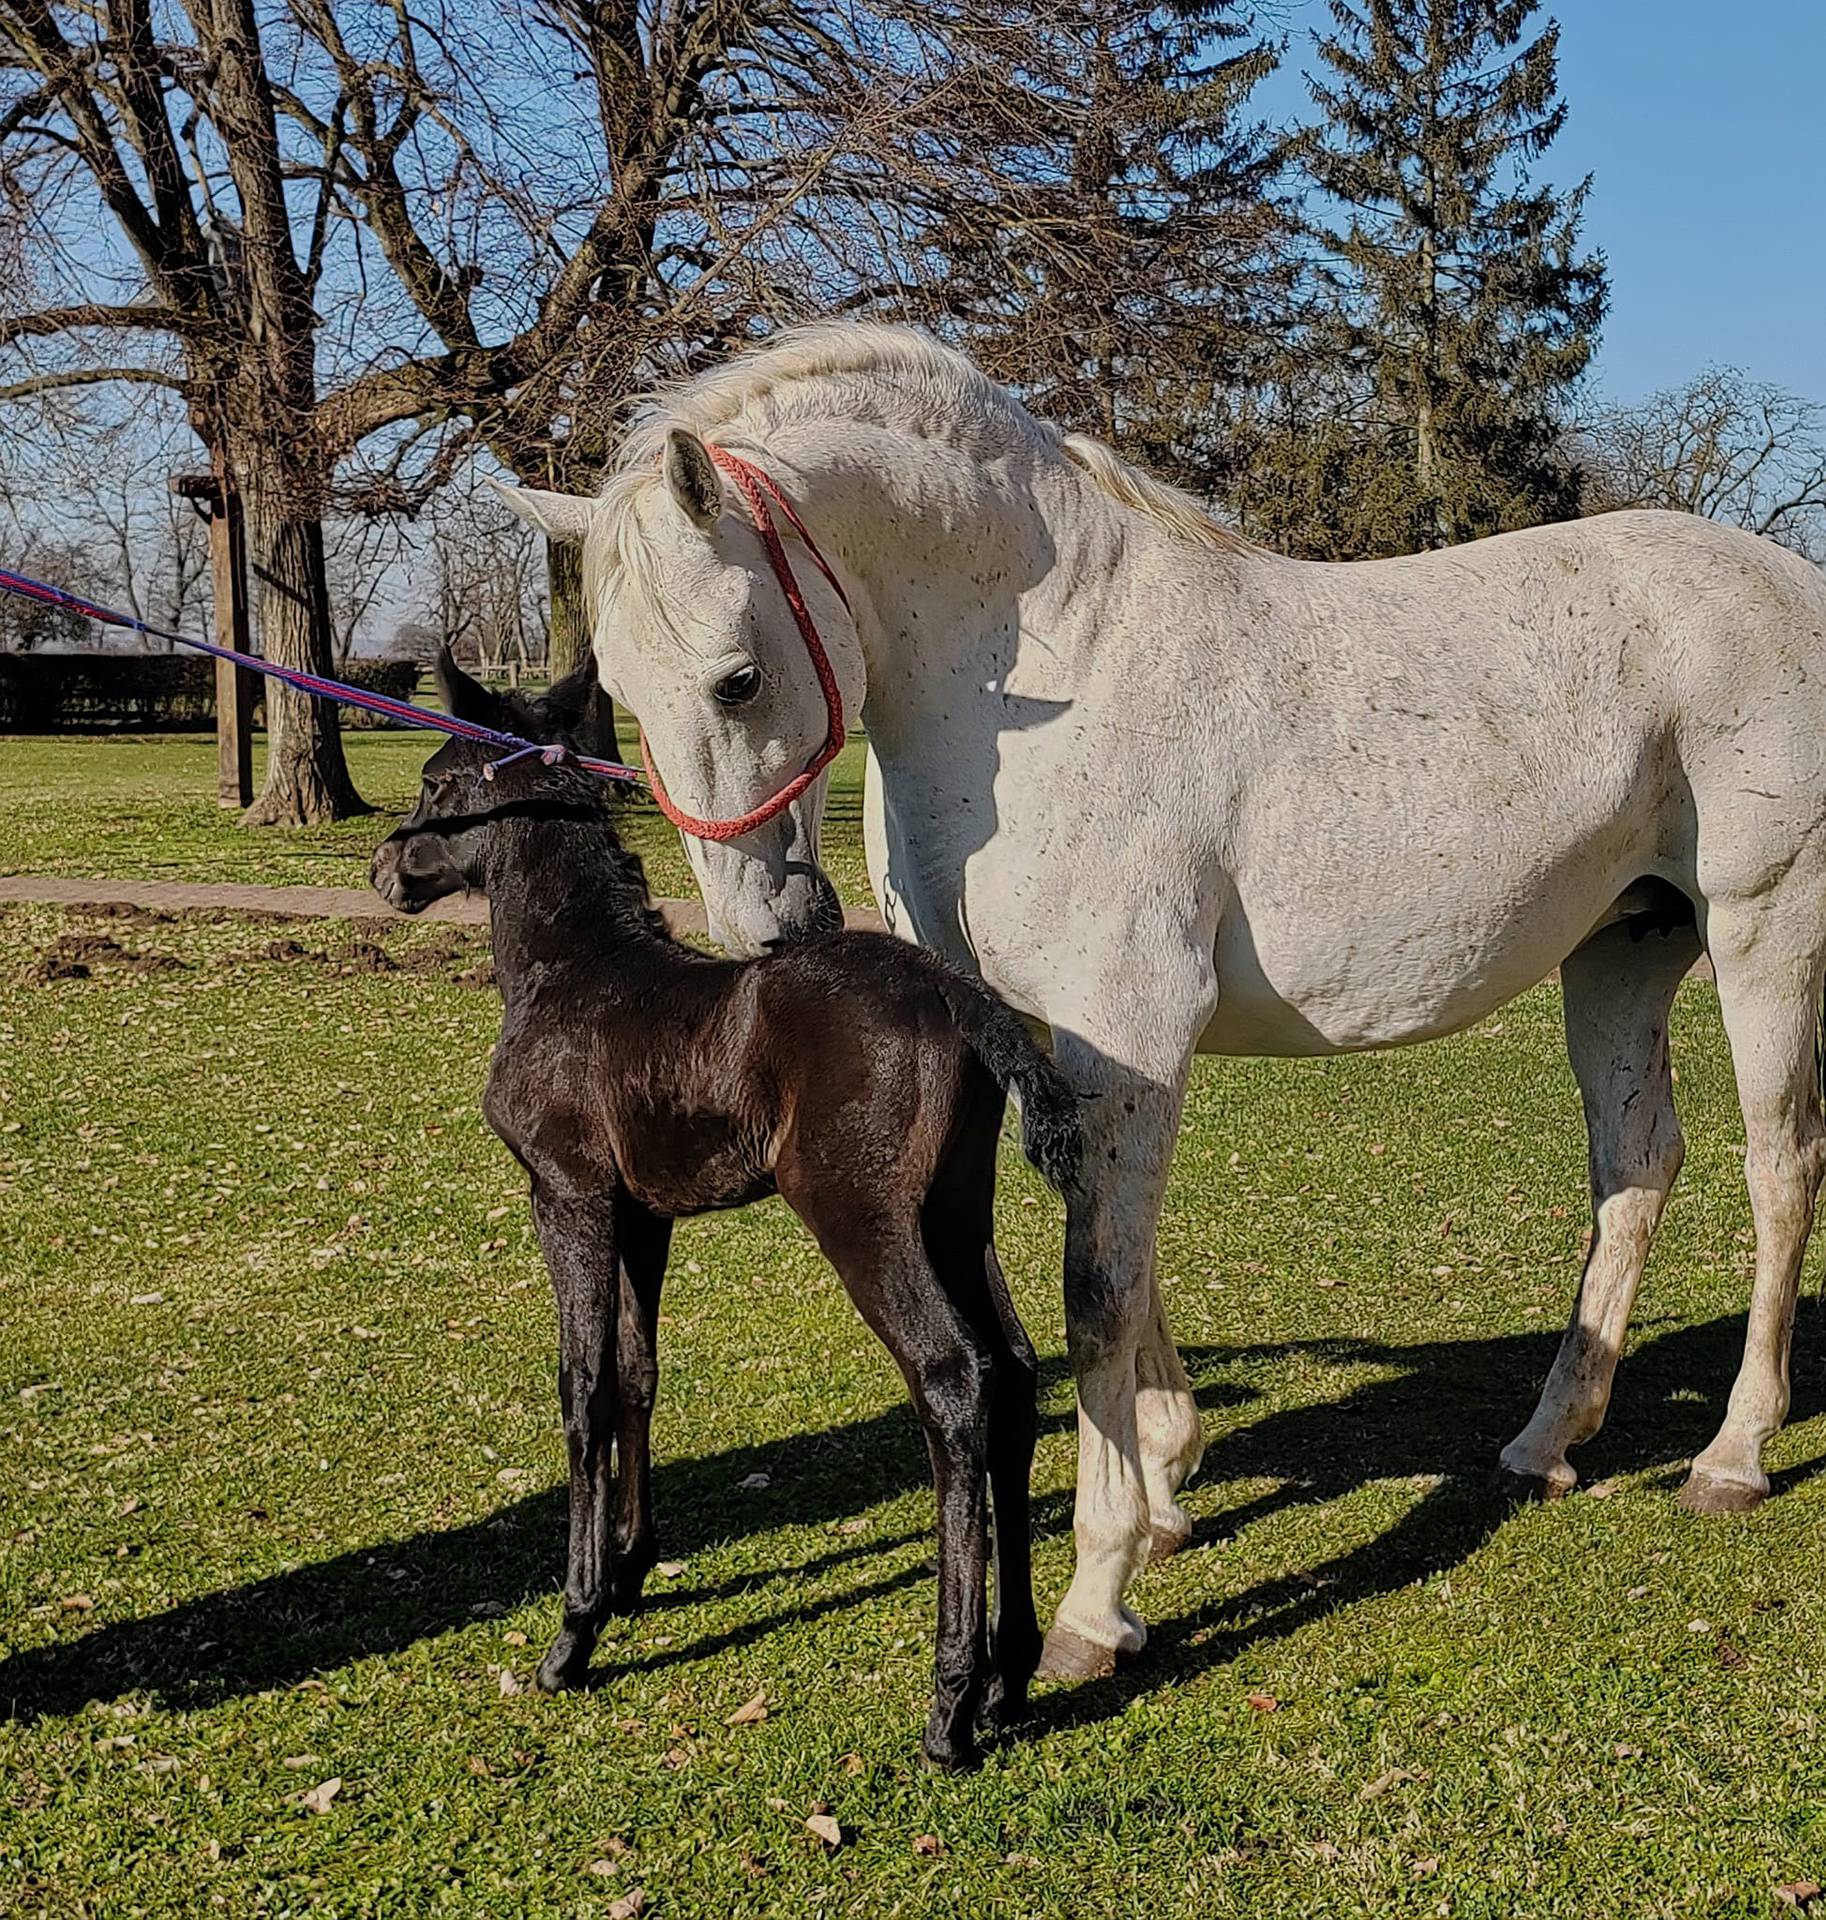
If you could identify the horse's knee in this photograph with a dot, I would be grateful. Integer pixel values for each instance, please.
(1104, 1314)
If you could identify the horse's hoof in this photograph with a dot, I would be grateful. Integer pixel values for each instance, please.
(1530, 1489)
(950, 1756)
(1069, 1656)
(1715, 1493)
(1164, 1542)
(566, 1667)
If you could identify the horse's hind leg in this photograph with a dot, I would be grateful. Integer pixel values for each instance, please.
(1769, 977)
(643, 1240)
(886, 1270)
(958, 1224)
(1618, 992)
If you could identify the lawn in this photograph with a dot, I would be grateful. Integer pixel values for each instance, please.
(144, 808)
(281, 1497)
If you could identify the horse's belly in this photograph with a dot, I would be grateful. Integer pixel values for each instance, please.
(1324, 982)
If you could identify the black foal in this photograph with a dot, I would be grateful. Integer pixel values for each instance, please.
(639, 1081)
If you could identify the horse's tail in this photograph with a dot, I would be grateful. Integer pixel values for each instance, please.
(1052, 1133)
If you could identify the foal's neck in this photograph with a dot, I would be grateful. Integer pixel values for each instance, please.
(562, 890)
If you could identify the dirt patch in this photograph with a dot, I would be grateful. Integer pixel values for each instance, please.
(363, 956)
(77, 955)
(130, 915)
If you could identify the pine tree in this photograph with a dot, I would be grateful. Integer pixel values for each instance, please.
(1465, 308)
(1129, 268)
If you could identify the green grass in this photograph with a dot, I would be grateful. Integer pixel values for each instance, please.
(280, 1505)
(144, 808)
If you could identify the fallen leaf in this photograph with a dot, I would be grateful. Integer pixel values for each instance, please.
(1324, 1850)
(1385, 1782)
(749, 1711)
(1424, 1869)
(1798, 1893)
(515, 1638)
(131, 1504)
(1700, 1626)
(510, 1684)
(631, 1904)
(670, 1569)
(78, 1603)
(1625, 1752)
(928, 1845)
(299, 1761)
(754, 1482)
(1602, 1491)
(1635, 1593)
(603, 1869)
(319, 1798)
(1263, 1702)
(823, 1826)
(853, 1763)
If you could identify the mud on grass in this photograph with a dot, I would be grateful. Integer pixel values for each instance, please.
(282, 1507)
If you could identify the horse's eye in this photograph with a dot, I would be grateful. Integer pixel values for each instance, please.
(738, 688)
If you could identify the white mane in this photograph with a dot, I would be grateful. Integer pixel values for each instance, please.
(888, 375)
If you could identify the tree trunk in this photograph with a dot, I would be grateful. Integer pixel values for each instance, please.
(307, 779)
(570, 627)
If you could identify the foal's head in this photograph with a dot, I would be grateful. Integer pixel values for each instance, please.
(441, 846)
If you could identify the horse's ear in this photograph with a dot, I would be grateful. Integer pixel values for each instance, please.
(468, 699)
(565, 705)
(564, 517)
(692, 478)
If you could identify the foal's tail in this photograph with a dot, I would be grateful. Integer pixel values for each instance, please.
(1052, 1135)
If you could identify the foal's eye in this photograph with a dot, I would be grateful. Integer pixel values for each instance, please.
(738, 688)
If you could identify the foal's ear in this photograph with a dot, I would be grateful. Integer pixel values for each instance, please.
(561, 711)
(692, 478)
(468, 699)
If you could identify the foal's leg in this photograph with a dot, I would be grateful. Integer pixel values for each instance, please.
(644, 1241)
(1128, 1471)
(958, 1222)
(1769, 969)
(888, 1273)
(1618, 993)
(577, 1235)
(1013, 1421)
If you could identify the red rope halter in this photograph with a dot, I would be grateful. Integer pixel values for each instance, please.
(757, 488)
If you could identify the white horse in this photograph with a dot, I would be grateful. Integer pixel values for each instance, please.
(1169, 792)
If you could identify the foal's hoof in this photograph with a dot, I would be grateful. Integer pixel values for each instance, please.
(565, 1667)
(950, 1756)
(1715, 1493)
(1069, 1656)
(1164, 1542)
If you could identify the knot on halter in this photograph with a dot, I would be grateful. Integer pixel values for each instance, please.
(550, 756)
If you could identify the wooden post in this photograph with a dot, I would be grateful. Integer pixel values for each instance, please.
(221, 506)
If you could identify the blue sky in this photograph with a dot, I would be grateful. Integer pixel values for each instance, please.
(1705, 126)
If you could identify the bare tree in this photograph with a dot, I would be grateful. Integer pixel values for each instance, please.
(145, 157)
(1725, 446)
(481, 594)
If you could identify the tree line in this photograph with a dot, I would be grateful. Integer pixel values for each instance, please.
(356, 248)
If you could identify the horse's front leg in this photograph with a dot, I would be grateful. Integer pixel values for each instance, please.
(577, 1237)
(1138, 1426)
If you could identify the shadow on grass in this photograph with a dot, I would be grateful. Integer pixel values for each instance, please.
(1438, 1408)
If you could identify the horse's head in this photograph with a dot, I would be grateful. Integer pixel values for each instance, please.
(693, 633)
(440, 847)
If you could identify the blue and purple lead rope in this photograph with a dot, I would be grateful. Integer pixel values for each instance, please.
(319, 688)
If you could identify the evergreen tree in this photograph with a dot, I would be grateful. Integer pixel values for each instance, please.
(1130, 266)
(1465, 309)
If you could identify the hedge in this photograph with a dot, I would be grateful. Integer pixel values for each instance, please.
(149, 693)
